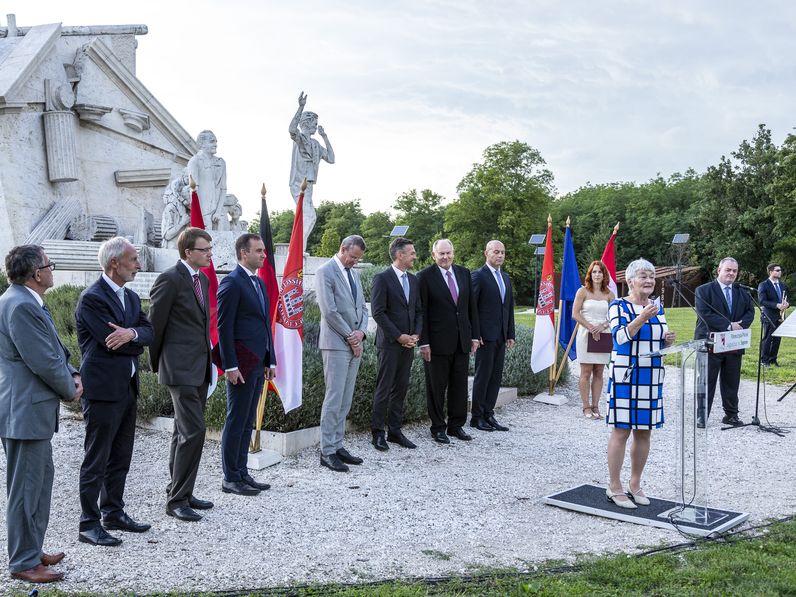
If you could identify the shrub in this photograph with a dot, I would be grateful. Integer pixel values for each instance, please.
(366, 279)
(3, 282)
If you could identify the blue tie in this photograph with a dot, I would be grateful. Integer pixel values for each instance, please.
(351, 282)
(728, 296)
(501, 286)
(259, 293)
(405, 284)
(48, 314)
(779, 292)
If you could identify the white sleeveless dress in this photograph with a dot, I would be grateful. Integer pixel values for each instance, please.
(594, 311)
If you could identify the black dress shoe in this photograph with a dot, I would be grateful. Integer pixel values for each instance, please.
(197, 504)
(98, 536)
(440, 437)
(256, 484)
(495, 425)
(185, 513)
(732, 420)
(334, 463)
(700, 423)
(238, 488)
(124, 523)
(480, 424)
(459, 433)
(379, 442)
(343, 455)
(400, 439)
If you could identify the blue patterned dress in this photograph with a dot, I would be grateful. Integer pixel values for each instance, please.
(635, 385)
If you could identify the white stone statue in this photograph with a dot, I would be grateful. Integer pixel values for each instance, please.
(210, 175)
(234, 211)
(176, 211)
(307, 155)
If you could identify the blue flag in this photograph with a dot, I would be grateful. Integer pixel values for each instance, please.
(570, 284)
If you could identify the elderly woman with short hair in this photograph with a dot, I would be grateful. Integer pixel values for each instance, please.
(635, 382)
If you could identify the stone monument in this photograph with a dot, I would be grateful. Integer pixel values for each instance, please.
(210, 174)
(176, 211)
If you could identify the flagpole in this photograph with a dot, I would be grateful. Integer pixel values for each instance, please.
(255, 444)
(556, 373)
(566, 352)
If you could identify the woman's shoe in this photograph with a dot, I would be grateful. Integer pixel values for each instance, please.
(589, 414)
(625, 503)
(596, 412)
(639, 498)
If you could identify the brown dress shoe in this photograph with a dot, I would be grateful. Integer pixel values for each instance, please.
(51, 559)
(38, 574)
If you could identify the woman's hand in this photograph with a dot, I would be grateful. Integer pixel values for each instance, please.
(649, 311)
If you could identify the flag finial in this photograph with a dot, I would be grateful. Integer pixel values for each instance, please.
(568, 221)
(304, 184)
(616, 228)
(262, 191)
(191, 182)
(549, 220)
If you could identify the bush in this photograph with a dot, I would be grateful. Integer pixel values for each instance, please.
(366, 275)
(3, 282)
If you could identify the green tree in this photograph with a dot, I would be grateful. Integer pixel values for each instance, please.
(281, 225)
(783, 189)
(424, 214)
(375, 230)
(330, 243)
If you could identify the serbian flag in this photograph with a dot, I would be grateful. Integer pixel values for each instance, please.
(609, 259)
(289, 325)
(570, 284)
(543, 350)
(197, 221)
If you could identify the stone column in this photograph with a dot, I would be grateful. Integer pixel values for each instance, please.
(59, 134)
(55, 221)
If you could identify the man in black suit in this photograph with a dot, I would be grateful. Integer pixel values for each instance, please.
(722, 307)
(395, 305)
(494, 300)
(449, 335)
(112, 331)
(180, 355)
(773, 297)
(247, 357)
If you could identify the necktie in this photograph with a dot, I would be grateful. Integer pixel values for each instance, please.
(351, 282)
(728, 297)
(501, 286)
(197, 290)
(405, 284)
(48, 314)
(779, 292)
(452, 287)
(120, 294)
(259, 292)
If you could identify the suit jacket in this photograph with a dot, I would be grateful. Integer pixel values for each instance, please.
(767, 295)
(340, 314)
(714, 314)
(495, 316)
(448, 327)
(389, 307)
(180, 352)
(241, 318)
(34, 368)
(106, 373)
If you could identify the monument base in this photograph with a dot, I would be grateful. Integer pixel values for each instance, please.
(554, 399)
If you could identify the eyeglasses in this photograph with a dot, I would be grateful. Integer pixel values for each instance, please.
(776, 269)
(50, 266)
(203, 250)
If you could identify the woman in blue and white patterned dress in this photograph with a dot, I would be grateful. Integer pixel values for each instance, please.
(635, 384)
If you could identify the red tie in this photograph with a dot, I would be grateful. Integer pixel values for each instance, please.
(197, 289)
(452, 288)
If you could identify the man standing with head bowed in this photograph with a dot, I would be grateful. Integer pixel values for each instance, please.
(34, 375)
(450, 334)
(344, 321)
(247, 357)
(180, 355)
(395, 305)
(493, 297)
(773, 296)
(112, 332)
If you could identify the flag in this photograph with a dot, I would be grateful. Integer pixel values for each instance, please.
(609, 259)
(267, 272)
(197, 221)
(289, 325)
(543, 350)
(570, 284)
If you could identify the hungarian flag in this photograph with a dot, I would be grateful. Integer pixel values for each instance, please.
(289, 325)
(570, 284)
(197, 221)
(609, 259)
(543, 350)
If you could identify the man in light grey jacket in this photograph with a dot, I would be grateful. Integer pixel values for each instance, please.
(344, 320)
(34, 374)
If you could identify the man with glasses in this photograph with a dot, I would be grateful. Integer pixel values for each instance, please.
(180, 355)
(773, 296)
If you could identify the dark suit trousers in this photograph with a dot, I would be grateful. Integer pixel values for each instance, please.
(242, 402)
(727, 366)
(187, 441)
(489, 360)
(29, 484)
(447, 372)
(110, 433)
(392, 382)
(770, 343)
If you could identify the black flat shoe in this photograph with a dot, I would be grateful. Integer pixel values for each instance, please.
(400, 439)
(334, 463)
(480, 424)
(440, 437)
(459, 434)
(343, 455)
(124, 523)
(197, 504)
(256, 484)
(379, 442)
(497, 426)
(185, 513)
(98, 536)
(732, 420)
(238, 488)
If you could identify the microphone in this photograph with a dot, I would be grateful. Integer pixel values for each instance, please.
(745, 287)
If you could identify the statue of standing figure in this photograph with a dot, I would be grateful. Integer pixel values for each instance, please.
(210, 175)
(176, 211)
(307, 156)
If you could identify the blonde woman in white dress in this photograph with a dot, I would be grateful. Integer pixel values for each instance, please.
(590, 310)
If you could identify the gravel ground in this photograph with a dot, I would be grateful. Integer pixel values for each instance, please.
(437, 510)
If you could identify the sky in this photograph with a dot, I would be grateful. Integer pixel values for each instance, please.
(411, 92)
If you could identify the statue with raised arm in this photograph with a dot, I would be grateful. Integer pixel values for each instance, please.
(209, 172)
(176, 211)
(307, 156)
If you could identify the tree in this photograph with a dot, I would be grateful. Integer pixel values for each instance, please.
(375, 230)
(424, 214)
(330, 243)
(783, 189)
(281, 225)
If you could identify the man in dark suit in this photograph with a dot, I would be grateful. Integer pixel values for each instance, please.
(247, 357)
(722, 307)
(449, 335)
(112, 332)
(773, 297)
(180, 355)
(493, 297)
(395, 306)
(34, 375)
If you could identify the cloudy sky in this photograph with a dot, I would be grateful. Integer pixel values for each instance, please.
(411, 92)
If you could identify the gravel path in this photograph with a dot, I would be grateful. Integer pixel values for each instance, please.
(436, 510)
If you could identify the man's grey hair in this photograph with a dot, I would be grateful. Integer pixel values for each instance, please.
(726, 259)
(639, 265)
(353, 240)
(113, 247)
(441, 240)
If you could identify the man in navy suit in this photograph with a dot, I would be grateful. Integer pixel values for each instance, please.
(450, 334)
(248, 359)
(722, 307)
(112, 332)
(395, 306)
(494, 300)
(773, 297)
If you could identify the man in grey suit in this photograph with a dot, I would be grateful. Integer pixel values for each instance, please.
(344, 320)
(34, 374)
